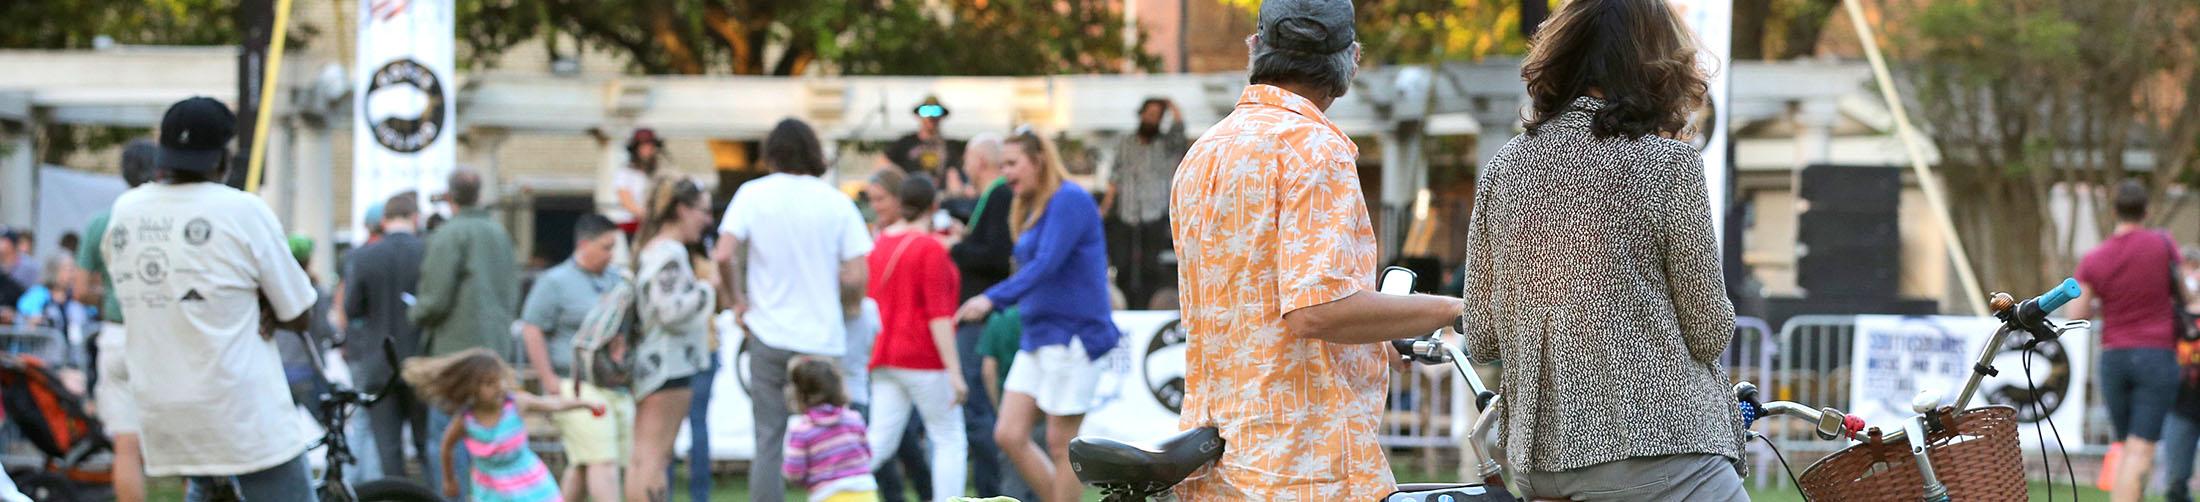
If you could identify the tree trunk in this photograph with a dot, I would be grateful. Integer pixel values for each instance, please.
(1805, 27)
(1750, 17)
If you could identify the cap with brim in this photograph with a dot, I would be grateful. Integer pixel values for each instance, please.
(931, 102)
(197, 161)
(1311, 26)
(194, 135)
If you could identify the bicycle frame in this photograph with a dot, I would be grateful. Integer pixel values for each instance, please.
(337, 405)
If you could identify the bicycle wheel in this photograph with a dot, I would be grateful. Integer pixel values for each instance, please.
(395, 490)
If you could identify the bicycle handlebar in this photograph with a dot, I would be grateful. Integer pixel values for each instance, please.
(2054, 299)
(1831, 423)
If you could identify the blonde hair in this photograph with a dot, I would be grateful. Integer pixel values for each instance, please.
(666, 195)
(453, 382)
(1024, 212)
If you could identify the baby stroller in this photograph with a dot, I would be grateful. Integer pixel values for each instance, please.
(52, 419)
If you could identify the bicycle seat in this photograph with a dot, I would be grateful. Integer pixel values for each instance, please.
(1101, 461)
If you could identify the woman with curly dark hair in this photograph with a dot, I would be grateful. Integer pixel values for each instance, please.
(1593, 273)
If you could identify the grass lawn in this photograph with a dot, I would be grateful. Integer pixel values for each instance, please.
(2039, 492)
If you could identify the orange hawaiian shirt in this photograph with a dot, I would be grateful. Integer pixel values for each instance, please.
(1269, 218)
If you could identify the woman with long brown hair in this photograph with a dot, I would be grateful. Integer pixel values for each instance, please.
(674, 302)
(1595, 274)
(1066, 323)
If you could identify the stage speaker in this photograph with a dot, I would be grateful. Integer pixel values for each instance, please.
(1848, 235)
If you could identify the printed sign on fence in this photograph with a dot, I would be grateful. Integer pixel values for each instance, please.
(1895, 357)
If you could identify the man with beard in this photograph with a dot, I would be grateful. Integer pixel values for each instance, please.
(1137, 202)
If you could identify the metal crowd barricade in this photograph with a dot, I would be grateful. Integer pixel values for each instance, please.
(1811, 367)
(1421, 414)
(45, 343)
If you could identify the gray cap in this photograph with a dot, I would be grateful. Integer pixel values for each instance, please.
(1315, 26)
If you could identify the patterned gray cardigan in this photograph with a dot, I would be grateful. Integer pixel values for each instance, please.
(1593, 276)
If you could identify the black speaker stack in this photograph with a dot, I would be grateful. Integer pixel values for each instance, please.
(1848, 245)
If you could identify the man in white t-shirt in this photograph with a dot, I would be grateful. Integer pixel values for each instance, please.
(793, 261)
(197, 265)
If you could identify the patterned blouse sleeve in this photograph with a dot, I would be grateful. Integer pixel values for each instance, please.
(675, 296)
(1481, 279)
(1692, 275)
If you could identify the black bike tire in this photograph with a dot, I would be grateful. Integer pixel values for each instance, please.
(394, 490)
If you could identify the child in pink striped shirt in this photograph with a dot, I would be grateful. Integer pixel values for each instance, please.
(826, 451)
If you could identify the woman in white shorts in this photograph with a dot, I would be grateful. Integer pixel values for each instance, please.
(1061, 288)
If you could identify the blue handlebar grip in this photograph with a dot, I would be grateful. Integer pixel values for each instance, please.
(2055, 298)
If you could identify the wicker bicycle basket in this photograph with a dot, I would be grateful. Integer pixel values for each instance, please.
(1975, 453)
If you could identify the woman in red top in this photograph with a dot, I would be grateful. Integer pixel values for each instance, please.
(913, 362)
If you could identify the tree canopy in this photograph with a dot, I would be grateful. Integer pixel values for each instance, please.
(964, 37)
(2026, 97)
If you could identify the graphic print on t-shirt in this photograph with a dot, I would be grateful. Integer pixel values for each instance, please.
(118, 237)
(189, 263)
(152, 266)
(197, 231)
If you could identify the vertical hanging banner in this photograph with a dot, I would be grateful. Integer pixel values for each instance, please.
(256, 21)
(1713, 23)
(404, 102)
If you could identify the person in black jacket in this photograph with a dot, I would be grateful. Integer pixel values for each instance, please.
(982, 257)
(379, 282)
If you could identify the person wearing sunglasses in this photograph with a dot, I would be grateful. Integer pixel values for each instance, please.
(926, 151)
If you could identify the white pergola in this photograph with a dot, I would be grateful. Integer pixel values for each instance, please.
(1395, 106)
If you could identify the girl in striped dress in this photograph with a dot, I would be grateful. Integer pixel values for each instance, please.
(826, 450)
(479, 387)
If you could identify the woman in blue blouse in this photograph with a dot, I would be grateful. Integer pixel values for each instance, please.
(1061, 287)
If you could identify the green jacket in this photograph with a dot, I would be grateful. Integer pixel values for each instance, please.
(469, 287)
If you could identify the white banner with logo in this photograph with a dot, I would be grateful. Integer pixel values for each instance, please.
(1894, 357)
(404, 126)
(1713, 22)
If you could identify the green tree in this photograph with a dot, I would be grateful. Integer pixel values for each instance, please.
(2022, 97)
(73, 24)
(77, 24)
(1423, 31)
(964, 37)
(1780, 29)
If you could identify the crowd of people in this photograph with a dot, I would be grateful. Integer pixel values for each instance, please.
(941, 333)
(937, 332)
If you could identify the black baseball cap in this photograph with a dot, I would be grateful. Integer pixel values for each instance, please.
(1313, 26)
(194, 135)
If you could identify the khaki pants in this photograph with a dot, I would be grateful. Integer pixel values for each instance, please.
(1691, 477)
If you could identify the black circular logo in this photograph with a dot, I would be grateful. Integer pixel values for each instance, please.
(197, 231)
(1163, 368)
(153, 266)
(2037, 391)
(404, 106)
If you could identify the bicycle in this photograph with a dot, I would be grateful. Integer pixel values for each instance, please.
(1983, 439)
(1129, 473)
(337, 405)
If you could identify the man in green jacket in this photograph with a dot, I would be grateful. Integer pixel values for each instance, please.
(469, 290)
